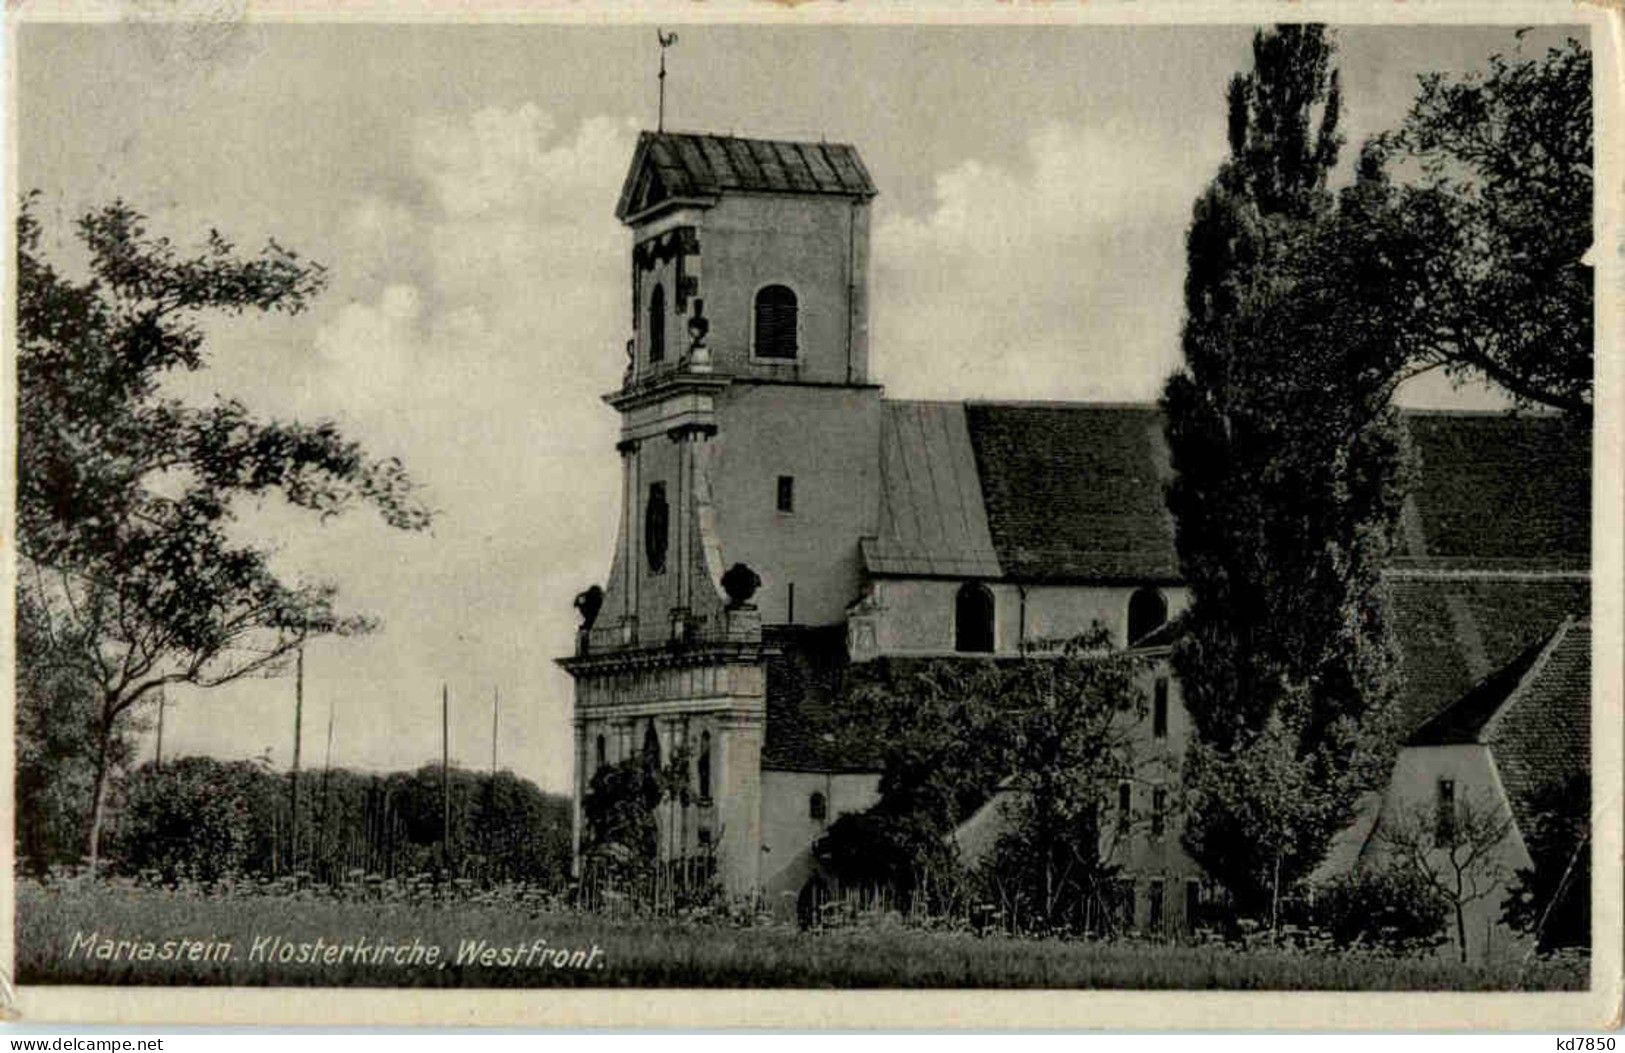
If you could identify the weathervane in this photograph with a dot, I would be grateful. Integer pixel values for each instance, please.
(666, 41)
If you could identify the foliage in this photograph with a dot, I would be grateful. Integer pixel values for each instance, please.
(649, 952)
(621, 848)
(1394, 910)
(1048, 734)
(1551, 900)
(1289, 463)
(201, 819)
(56, 711)
(191, 820)
(1459, 858)
(1496, 218)
(126, 496)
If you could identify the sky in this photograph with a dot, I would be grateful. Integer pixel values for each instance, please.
(459, 184)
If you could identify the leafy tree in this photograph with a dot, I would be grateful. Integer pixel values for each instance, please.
(620, 818)
(126, 496)
(56, 710)
(1459, 856)
(1499, 204)
(1551, 899)
(1288, 469)
(1049, 734)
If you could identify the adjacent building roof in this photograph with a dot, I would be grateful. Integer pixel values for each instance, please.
(1534, 714)
(1455, 631)
(687, 165)
(804, 681)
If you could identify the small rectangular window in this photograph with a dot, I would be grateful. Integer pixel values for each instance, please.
(1445, 814)
(1159, 709)
(1159, 803)
(787, 493)
(1153, 904)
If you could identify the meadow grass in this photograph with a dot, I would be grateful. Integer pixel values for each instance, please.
(670, 953)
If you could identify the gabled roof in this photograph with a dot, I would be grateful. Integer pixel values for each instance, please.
(687, 165)
(1542, 736)
(1074, 492)
(1534, 714)
(1455, 632)
(1463, 721)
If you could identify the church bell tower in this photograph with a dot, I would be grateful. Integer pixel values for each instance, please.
(749, 446)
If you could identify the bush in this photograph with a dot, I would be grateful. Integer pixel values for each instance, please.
(1392, 910)
(190, 821)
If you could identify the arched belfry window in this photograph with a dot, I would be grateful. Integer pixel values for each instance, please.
(973, 619)
(775, 331)
(657, 323)
(1147, 610)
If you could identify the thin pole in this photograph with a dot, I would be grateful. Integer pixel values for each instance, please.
(445, 771)
(666, 41)
(298, 724)
(158, 755)
(496, 708)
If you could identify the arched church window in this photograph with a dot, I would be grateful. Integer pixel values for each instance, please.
(656, 525)
(973, 618)
(705, 765)
(1147, 610)
(775, 332)
(817, 807)
(657, 323)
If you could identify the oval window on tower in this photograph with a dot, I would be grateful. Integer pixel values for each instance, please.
(656, 525)
(775, 330)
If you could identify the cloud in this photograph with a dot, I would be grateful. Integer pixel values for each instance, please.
(1068, 256)
(477, 315)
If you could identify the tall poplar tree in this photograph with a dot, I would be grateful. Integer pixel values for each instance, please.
(1288, 460)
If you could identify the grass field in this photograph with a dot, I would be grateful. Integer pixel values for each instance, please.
(55, 945)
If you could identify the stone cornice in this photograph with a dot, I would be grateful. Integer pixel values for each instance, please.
(666, 656)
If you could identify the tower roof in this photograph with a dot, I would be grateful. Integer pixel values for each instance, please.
(693, 165)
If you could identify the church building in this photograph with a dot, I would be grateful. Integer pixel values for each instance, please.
(782, 520)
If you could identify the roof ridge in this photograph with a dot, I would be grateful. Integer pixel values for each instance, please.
(1538, 666)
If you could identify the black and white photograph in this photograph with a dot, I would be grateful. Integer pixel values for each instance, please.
(643, 499)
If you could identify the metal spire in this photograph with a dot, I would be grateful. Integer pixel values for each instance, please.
(666, 41)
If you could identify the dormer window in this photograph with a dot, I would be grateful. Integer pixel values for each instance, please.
(774, 335)
(657, 323)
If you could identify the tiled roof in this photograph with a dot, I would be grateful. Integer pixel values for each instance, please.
(804, 680)
(932, 517)
(1534, 713)
(1453, 633)
(695, 165)
(1542, 736)
(1497, 490)
(1463, 720)
(1074, 492)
